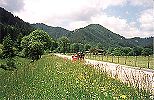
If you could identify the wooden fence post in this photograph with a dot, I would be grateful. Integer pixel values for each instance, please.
(90, 54)
(148, 61)
(107, 57)
(112, 58)
(125, 59)
(135, 60)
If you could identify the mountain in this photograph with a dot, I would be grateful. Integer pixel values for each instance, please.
(94, 34)
(55, 32)
(13, 25)
(144, 42)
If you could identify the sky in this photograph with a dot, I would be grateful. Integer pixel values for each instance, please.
(129, 18)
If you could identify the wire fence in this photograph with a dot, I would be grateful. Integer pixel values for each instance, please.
(135, 61)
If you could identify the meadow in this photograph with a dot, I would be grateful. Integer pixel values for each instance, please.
(135, 61)
(55, 78)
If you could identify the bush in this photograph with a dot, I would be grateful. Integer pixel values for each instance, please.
(7, 49)
(10, 64)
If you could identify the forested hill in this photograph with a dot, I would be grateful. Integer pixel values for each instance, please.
(13, 25)
(144, 42)
(94, 34)
(55, 32)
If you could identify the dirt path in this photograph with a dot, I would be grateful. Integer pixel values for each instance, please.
(142, 78)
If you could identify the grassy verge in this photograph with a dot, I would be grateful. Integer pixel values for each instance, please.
(56, 78)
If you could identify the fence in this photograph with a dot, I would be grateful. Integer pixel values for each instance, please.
(135, 61)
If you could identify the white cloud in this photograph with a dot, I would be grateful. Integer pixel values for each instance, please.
(77, 24)
(117, 25)
(12, 5)
(78, 10)
(141, 2)
(147, 21)
(72, 14)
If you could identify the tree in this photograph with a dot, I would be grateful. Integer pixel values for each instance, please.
(87, 47)
(7, 49)
(126, 51)
(64, 44)
(147, 52)
(8, 53)
(117, 52)
(99, 46)
(74, 47)
(35, 43)
(137, 51)
(43, 37)
(36, 50)
(81, 47)
(18, 42)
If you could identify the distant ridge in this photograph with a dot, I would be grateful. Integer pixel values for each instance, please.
(55, 32)
(94, 34)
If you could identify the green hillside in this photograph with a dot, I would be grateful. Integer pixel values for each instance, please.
(13, 25)
(94, 34)
(55, 32)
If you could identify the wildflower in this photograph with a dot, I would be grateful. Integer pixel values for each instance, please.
(123, 96)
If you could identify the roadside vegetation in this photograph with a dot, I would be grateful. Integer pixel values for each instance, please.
(52, 77)
(27, 72)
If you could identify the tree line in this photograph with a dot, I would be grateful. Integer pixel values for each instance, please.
(38, 42)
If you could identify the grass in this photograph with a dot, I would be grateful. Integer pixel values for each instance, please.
(140, 61)
(55, 78)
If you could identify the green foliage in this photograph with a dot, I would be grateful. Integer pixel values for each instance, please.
(117, 52)
(64, 44)
(18, 42)
(10, 64)
(43, 37)
(55, 32)
(147, 52)
(87, 47)
(1, 51)
(35, 43)
(93, 50)
(7, 49)
(95, 33)
(126, 50)
(74, 47)
(137, 51)
(35, 50)
(99, 46)
(77, 47)
(13, 25)
(55, 78)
